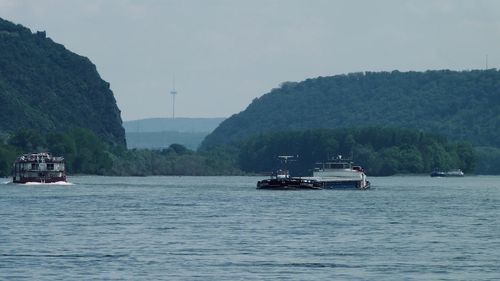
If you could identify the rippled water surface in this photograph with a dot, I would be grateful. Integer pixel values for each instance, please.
(222, 228)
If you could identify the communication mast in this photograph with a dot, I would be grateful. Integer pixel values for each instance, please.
(173, 93)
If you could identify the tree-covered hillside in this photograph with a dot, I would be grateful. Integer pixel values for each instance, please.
(461, 105)
(48, 88)
(381, 151)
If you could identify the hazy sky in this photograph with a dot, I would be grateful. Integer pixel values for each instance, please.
(225, 53)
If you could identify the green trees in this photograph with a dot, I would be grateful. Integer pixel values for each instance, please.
(45, 86)
(27, 140)
(84, 153)
(90, 155)
(490, 160)
(7, 157)
(381, 151)
(174, 160)
(463, 106)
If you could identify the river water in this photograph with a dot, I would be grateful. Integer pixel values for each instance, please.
(222, 228)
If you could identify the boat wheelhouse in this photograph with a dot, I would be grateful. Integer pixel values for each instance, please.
(39, 167)
(339, 174)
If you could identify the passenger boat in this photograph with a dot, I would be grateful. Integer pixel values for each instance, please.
(339, 174)
(39, 167)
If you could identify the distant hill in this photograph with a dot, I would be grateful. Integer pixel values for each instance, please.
(462, 105)
(160, 140)
(157, 133)
(175, 125)
(44, 86)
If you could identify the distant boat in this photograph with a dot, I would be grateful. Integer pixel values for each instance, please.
(438, 174)
(39, 167)
(339, 174)
(450, 173)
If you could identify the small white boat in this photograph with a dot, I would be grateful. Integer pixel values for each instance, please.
(455, 173)
(451, 173)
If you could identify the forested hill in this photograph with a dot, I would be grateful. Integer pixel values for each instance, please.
(44, 86)
(462, 105)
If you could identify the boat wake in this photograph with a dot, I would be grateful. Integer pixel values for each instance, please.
(40, 183)
(51, 183)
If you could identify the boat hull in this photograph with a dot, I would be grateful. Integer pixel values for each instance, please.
(287, 184)
(438, 174)
(340, 183)
(38, 179)
(343, 184)
(450, 174)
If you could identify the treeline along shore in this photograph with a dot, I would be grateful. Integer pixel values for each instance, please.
(381, 151)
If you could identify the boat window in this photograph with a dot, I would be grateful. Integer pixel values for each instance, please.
(339, 166)
(50, 166)
(34, 166)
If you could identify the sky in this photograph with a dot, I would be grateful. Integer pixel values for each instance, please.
(222, 54)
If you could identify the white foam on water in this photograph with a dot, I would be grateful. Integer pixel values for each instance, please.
(39, 183)
(51, 183)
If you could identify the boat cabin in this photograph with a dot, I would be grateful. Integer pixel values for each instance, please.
(39, 167)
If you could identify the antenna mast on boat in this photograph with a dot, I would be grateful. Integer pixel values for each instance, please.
(173, 93)
(284, 158)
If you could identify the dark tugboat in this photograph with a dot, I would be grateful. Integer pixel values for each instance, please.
(39, 167)
(282, 180)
